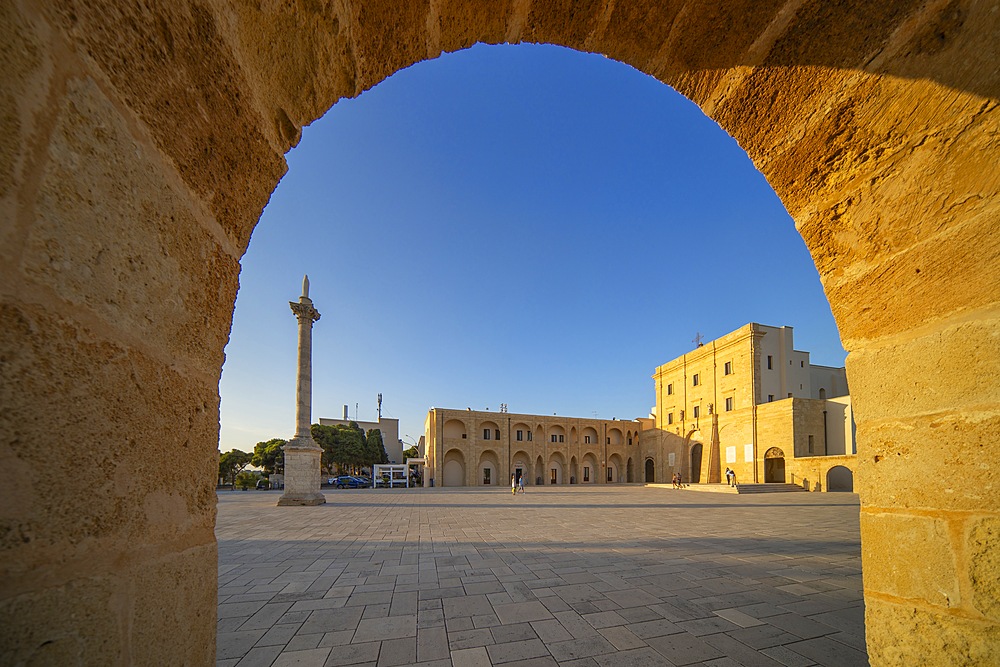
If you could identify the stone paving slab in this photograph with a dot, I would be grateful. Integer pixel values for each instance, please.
(569, 576)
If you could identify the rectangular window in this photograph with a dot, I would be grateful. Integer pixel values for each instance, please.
(802, 364)
(553, 476)
(811, 444)
(611, 474)
(670, 417)
(487, 474)
(486, 434)
(497, 433)
(553, 437)
(728, 368)
(695, 380)
(670, 389)
(608, 440)
(520, 436)
(770, 362)
(586, 473)
(529, 436)
(562, 438)
(697, 411)
(463, 436)
(586, 439)
(729, 404)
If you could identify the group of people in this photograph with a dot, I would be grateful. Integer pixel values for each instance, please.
(730, 477)
(516, 484)
(676, 481)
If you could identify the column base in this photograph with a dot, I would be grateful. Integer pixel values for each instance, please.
(302, 473)
(300, 499)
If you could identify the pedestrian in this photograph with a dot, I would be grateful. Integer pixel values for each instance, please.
(513, 485)
(680, 481)
(729, 477)
(673, 480)
(520, 483)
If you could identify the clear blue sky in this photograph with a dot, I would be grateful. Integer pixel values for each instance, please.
(519, 224)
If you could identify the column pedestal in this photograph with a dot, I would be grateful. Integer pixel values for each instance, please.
(302, 473)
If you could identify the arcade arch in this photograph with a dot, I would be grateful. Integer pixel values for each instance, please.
(590, 469)
(839, 478)
(521, 465)
(455, 429)
(874, 122)
(616, 467)
(650, 477)
(454, 468)
(489, 469)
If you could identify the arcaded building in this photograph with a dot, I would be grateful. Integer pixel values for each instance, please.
(473, 448)
(775, 416)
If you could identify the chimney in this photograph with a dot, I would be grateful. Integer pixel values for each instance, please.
(345, 413)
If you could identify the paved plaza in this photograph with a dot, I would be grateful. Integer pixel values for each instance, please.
(581, 576)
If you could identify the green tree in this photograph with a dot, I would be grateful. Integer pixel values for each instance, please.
(343, 445)
(269, 456)
(375, 448)
(246, 480)
(411, 453)
(232, 463)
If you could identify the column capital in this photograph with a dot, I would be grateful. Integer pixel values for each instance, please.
(304, 310)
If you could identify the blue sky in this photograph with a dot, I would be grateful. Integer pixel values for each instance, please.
(517, 224)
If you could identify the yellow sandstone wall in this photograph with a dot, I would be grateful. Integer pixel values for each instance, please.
(139, 143)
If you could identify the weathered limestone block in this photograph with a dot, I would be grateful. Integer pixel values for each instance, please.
(984, 566)
(937, 462)
(915, 559)
(938, 363)
(172, 67)
(148, 267)
(906, 635)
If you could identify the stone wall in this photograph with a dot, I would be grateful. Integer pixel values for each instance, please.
(139, 143)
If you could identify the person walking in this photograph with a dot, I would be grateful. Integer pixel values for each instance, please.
(513, 485)
(729, 477)
(520, 484)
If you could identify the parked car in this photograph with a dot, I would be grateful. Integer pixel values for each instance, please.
(263, 484)
(348, 482)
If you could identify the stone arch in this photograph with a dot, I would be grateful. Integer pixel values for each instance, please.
(522, 461)
(615, 436)
(629, 472)
(524, 430)
(489, 461)
(590, 461)
(879, 139)
(455, 429)
(774, 466)
(574, 472)
(590, 436)
(839, 478)
(615, 466)
(697, 454)
(488, 430)
(557, 463)
(650, 471)
(454, 468)
(540, 471)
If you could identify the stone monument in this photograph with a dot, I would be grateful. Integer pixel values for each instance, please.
(302, 454)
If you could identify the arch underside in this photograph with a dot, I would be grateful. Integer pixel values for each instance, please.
(143, 141)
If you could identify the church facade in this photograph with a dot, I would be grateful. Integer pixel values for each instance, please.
(751, 402)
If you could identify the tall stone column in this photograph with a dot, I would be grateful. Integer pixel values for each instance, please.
(302, 454)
